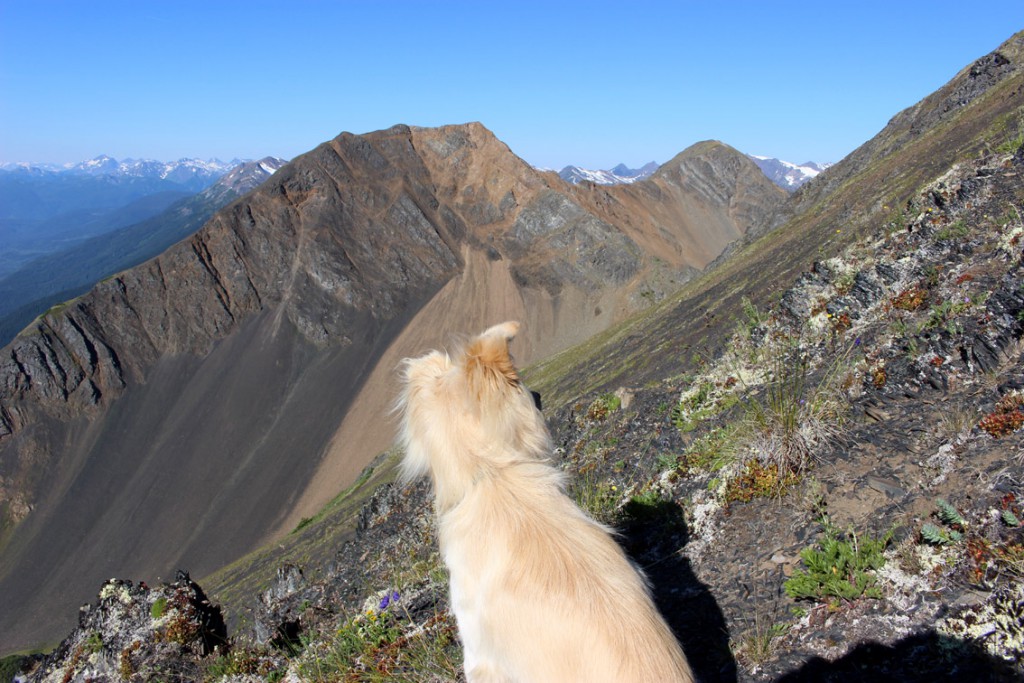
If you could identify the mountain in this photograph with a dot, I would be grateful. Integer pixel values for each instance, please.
(65, 274)
(188, 172)
(190, 408)
(879, 308)
(709, 191)
(618, 175)
(39, 191)
(44, 210)
(787, 175)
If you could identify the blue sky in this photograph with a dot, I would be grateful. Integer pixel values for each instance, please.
(588, 83)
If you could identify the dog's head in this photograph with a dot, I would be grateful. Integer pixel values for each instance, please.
(468, 410)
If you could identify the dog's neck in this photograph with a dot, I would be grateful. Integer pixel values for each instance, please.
(514, 473)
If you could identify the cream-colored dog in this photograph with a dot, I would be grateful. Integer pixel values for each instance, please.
(541, 592)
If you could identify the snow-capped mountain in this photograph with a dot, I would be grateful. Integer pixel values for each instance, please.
(180, 171)
(616, 176)
(30, 167)
(785, 174)
(243, 178)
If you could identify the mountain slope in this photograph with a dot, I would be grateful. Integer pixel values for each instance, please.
(192, 407)
(57, 277)
(979, 108)
(905, 446)
(706, 193)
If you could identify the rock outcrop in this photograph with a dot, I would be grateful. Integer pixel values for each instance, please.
(134, 632)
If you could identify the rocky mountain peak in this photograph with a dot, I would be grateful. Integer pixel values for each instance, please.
(257, 354)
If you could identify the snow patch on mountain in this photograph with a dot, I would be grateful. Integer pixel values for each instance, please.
(786, 174)
(619, 175)
(180, 171)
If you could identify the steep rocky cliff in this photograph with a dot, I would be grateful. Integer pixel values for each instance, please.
(192, 407)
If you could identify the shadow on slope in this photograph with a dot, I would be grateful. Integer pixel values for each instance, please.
(927, 656)
(653, 534)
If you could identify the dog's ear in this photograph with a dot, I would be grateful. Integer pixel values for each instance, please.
(487, 356)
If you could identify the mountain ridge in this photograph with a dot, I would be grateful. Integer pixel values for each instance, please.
(256, 336)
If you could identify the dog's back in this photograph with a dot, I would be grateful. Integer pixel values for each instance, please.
(541, 592)
(550, 595)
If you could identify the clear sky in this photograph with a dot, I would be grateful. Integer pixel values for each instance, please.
(588, 83)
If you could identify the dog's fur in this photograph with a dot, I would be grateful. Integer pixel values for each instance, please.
(541, 592)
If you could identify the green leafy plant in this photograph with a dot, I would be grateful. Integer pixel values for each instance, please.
(839, 567)
(944, 315)
(937, 536)
(94, 643)
(951, 517)
(158, 608)
(949, 514)
(1010, 519)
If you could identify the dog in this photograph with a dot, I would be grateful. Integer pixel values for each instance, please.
(541, 592)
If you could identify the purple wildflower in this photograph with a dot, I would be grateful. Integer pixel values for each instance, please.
(388, 599)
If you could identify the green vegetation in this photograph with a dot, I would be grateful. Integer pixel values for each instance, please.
(693, 408)
(158, 608)
(762, 642)
(954, 231)
(598, 497)
(839, 567)
(711, 451)
(793, 417)
(240, 661)
(94, 643)
(364, 476)
(385, 645)
(954, 522)
(944, 315)
(603, 406)
(1014, 141)
(10, 666)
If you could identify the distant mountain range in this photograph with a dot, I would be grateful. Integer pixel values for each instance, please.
(619, 175)
(45, 208)
(181, 171)
(785, 174)
(112, 240)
